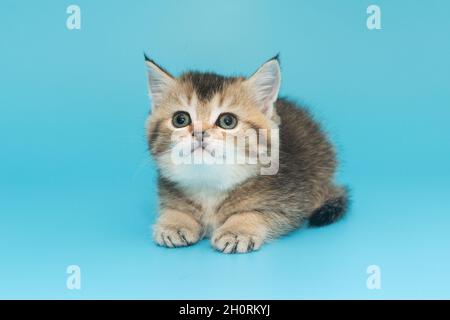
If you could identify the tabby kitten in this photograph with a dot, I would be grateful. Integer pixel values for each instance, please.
(234, 203)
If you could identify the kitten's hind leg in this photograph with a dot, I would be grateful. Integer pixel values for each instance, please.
(176, 229)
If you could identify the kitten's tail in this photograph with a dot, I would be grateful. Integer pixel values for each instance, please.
(332, 210)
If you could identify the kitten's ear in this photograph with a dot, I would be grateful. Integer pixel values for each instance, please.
(159, 80)
(265, 84)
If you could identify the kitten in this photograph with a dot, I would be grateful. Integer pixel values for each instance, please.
(236, 204)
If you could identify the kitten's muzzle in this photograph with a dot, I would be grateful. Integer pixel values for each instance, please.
(199, 140)
(200, 135)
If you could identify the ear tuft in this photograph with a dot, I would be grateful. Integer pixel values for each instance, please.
(159, 81)
(146, 58)
(275, 57)
(265, 85)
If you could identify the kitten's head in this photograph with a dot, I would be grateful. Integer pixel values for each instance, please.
(197, 119)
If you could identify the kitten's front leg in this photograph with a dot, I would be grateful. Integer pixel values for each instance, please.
(242, 232)
(176, 229)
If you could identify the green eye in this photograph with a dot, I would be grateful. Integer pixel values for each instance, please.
(181, 119)
(227, 121)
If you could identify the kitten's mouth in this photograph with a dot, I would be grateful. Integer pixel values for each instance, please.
(199, 147)
(202, 147)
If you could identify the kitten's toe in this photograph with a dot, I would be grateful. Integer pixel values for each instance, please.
(171, 237)
(229, 242)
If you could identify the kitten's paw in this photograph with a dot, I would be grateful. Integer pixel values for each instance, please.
(228, 241)
(173, 236)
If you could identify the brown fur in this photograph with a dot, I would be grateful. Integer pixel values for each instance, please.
(255, 209)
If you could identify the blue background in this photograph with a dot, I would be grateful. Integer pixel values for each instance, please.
(77, 185)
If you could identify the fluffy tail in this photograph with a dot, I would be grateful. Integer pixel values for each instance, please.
(332, 210)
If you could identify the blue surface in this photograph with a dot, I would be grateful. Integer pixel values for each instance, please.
(77, 185)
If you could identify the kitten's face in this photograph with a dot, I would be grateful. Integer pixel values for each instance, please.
(201, 127)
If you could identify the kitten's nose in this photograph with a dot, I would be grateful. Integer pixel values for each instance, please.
(200, 135)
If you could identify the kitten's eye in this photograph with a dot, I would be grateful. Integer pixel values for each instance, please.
(227, 121)
(181, 119)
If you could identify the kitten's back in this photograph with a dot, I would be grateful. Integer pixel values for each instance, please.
(308, 158)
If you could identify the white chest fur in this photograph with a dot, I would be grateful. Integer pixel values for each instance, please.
(208, 185)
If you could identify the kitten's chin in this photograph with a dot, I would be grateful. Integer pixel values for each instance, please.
(220, 177)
